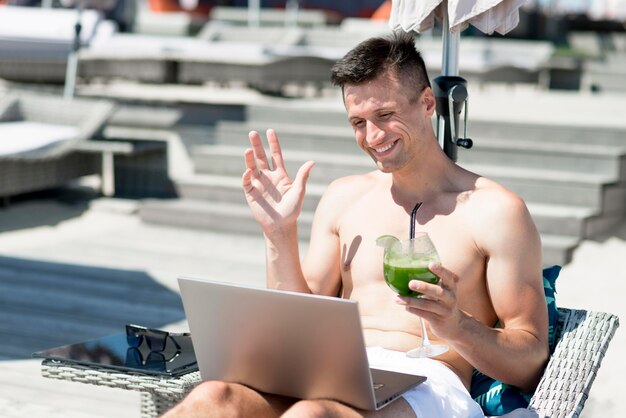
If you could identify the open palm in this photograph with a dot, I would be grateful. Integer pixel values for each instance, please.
(275, 199)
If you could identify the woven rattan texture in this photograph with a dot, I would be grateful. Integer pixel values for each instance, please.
(159, 393)
(583, 339)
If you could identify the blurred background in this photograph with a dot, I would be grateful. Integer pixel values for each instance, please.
(123, 125)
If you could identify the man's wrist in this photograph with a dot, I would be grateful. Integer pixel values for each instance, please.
(279, 233)
(464, 331)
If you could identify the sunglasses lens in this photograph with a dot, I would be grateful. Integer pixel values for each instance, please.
(156, 342)
(134, 358)
(133, 336)
(155, 361)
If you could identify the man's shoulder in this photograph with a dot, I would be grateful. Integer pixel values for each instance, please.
(344, 191)
(355, 184)
(491, 194)
(490, 203)
(487, 202)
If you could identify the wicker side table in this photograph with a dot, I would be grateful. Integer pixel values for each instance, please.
(158, 393)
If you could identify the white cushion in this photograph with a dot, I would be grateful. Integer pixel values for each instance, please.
(21, 137)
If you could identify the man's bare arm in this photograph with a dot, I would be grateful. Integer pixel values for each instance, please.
(515, 353)
(514, 282)
(276, 202)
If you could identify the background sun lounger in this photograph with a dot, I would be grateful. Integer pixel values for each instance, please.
(61, 125)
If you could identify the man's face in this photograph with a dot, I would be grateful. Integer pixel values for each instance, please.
(387, 124)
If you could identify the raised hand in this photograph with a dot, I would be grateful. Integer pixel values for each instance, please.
(275, 199)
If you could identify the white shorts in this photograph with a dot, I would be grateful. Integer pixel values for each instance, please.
(441, 395)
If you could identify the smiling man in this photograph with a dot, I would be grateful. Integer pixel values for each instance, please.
(490, 251)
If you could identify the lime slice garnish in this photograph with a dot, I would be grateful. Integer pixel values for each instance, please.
(386, 241)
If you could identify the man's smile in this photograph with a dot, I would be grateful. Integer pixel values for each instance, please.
(384, 148)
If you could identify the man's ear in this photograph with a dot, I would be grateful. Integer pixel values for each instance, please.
(428, 100)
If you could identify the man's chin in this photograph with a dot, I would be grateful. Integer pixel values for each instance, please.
(383, 169)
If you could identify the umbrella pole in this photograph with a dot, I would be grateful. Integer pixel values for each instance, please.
(72, 58)
(450, 93)
(254, 13)
(450, 56)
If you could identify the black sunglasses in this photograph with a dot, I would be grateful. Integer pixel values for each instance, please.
(154, 338)
(152, 361)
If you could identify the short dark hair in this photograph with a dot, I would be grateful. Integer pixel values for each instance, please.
(376, 56)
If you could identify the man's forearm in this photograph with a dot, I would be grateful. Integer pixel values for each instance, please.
(283, 266)
(513, 356)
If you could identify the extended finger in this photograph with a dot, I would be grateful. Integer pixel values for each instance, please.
(447, 279)
(248, 157)
(423, 307)
(259, 151)
(303, 174)
(427, 290)
(246, 180)
(275, 150)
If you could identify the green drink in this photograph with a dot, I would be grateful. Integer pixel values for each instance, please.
(405, 261)
(400, 271)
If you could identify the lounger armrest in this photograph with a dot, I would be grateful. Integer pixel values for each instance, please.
(99, 114)
(583, 339)
(87, 116)
(9, 108)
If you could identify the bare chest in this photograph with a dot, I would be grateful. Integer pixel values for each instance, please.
(362, 259)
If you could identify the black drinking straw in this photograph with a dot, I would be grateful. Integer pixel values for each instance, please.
(413, 216)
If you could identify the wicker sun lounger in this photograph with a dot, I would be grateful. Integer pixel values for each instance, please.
(582, 341)
(51, 165)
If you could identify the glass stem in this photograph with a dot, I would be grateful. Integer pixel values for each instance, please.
(425, 340)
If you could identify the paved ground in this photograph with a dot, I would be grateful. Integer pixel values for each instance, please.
(107, 233)
(103, 233)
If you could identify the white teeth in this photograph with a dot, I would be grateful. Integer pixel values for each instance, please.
(385, 148)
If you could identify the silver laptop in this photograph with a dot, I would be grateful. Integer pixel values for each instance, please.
(292, 344)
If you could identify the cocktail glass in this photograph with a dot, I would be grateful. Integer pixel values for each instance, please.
(405, 261)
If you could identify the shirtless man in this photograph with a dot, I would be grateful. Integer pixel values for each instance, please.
(489, 248)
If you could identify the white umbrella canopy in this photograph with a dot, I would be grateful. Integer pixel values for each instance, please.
(450, 90)
(486, 15)
(608, 9)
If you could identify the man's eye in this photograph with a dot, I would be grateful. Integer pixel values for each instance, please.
(357, 123)
(385, 115)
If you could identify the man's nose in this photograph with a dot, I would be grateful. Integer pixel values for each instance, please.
(375, 135)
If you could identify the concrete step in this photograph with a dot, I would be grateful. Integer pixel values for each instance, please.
(537, 185)
(329, 113)
(332, 114)
(209, 215)
(560, 220)
(228, 189)
(228, 160)
(534, 185)
(558, 249)
(550, 218)
(609, 160)
(236, 218)
(291, 136)
(563, 134)
(575, 158)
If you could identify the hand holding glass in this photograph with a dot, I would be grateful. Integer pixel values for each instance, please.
(405, 261)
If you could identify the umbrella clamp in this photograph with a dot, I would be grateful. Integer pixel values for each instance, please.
(458, 94)
(451, 97)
